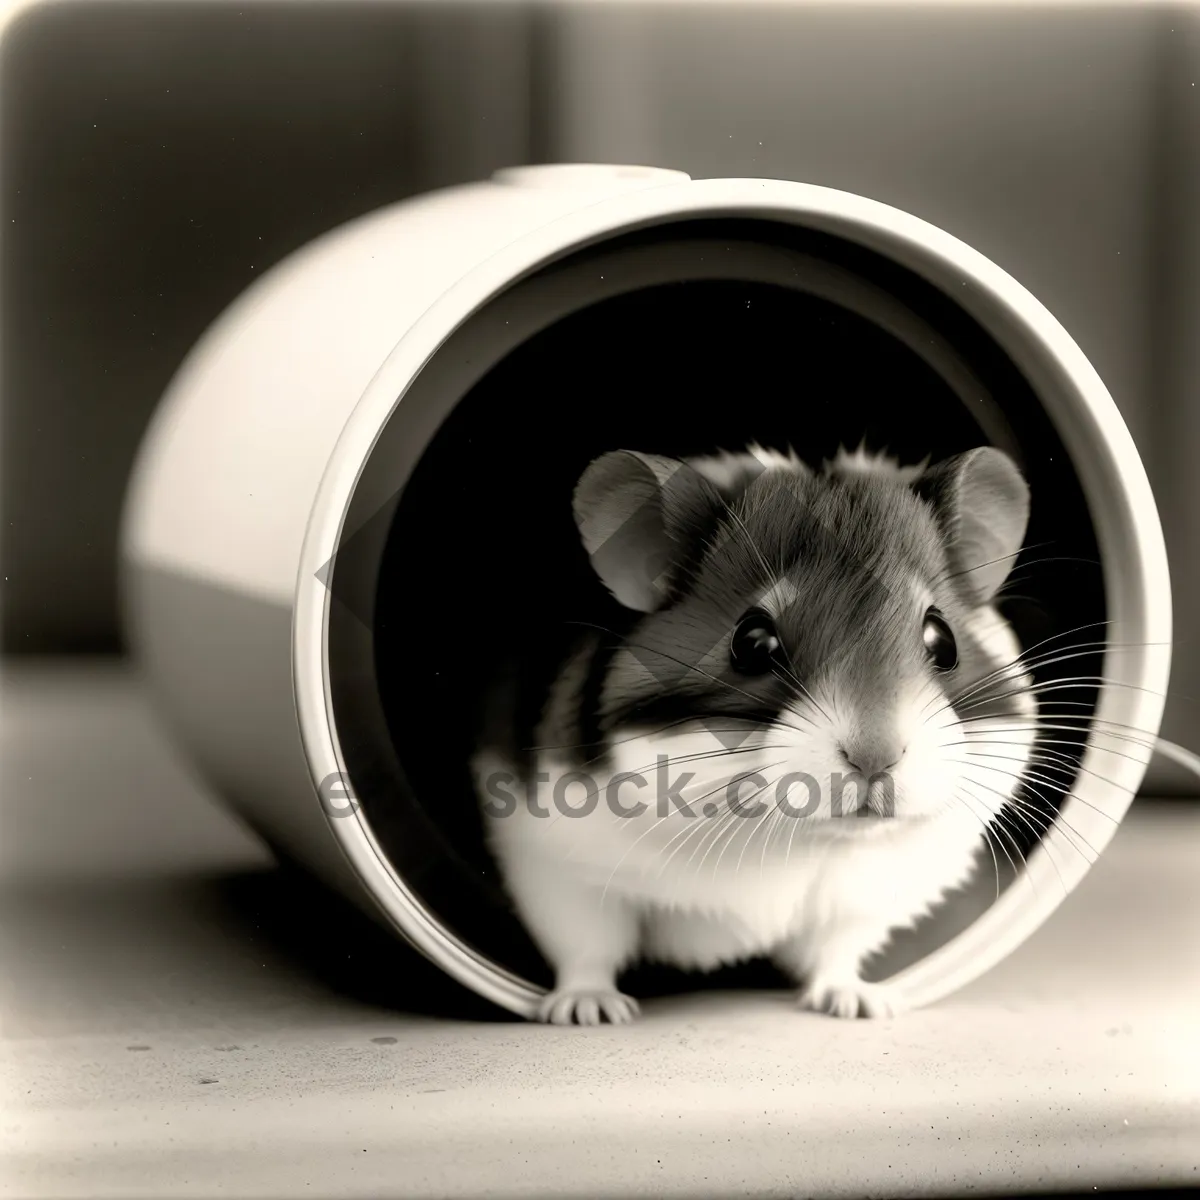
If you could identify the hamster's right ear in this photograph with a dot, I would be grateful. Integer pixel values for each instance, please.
(639, 516)
(982, 504)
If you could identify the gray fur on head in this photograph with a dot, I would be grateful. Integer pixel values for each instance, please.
(839, 556)
(645, 519)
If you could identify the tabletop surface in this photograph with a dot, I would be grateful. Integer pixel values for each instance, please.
(181, 1018)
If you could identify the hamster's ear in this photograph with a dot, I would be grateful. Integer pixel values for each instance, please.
(639, 516)
(982, 504)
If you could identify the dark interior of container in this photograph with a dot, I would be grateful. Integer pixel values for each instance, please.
(478, 560)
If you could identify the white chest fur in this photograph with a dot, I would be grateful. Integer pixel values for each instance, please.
(709, 891)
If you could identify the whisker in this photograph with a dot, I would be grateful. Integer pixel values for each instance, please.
(1027, 660)
(1022, 812)
(987, 836)
(1064, 683)
(1027, 772)
(632, 737)
(713, 834)
(637, 841)
(1090, 734)
(790, 676)
(1038, 830)
(775, 819)
(757, 824)
(727, 824)
(768, 571)
(687, 666)
(787, 858)
(733, 836)
(1054, 814)
(1072, 835)
(704, 756)
(1005, 825)
(991, 562)
(1016, 667)
(1065, 764)
(692, 829)
(1019, 668)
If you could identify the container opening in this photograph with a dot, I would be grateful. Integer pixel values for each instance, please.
(680, 339)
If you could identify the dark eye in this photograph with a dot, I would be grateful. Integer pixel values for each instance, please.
(755, 644)
(939, 641)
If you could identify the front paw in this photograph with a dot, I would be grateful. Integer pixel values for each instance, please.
(587, 1006)
(850, 998)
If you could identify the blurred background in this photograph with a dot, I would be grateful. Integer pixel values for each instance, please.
(157, 157)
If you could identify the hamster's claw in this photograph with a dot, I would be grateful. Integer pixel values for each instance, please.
(587, 1006)
(849, 998)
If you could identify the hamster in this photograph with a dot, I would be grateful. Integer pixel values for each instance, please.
(796, 741)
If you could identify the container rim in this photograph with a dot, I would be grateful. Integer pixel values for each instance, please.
(1113, 479)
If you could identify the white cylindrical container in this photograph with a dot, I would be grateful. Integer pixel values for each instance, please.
(283, 510)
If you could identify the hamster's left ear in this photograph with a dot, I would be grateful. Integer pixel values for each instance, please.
(981, 501)
(641, 516)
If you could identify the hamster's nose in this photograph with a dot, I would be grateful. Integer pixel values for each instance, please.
(870, 757)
